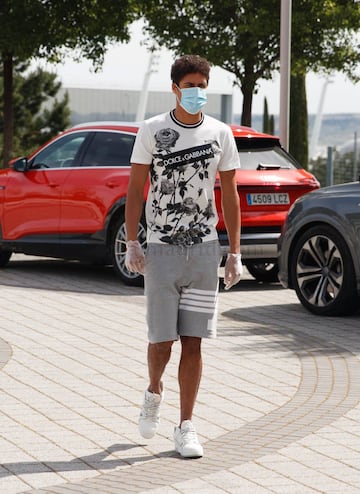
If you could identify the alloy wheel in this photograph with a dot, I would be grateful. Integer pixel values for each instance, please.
(319, 271)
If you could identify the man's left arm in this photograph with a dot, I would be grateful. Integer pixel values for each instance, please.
(230, 204)
(232, 218)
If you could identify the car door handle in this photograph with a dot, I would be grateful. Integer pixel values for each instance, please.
(53, 185)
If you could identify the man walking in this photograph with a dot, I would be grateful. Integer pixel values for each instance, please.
(182, 151)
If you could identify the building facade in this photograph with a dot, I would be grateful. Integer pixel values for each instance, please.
(88, 104)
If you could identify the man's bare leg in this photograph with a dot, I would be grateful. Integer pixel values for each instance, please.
(158, 357)
(190, 369)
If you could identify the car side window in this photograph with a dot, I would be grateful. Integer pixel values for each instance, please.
(61, 153)
(109, 149)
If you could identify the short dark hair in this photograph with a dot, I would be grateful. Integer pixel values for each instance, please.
(189, 64)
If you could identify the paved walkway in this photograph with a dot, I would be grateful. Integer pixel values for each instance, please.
(278, 409)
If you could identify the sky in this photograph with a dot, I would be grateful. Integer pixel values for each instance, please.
(125, 67)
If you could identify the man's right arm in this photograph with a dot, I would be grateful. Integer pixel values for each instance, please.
(135, 199)
(135, 258)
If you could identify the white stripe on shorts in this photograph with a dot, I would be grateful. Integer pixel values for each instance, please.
(197, 300)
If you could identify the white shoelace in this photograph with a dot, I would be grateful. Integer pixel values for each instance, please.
(150, 409)
(189, 435)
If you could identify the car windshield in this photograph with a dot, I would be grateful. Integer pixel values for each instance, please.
(257, 154)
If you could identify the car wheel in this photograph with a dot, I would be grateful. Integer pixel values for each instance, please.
(263, 271)
(4, 257)
(323, 273)
(118, 250)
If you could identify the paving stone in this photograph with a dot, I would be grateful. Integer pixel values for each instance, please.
(278, 409)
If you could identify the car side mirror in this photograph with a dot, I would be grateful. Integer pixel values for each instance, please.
(20, 165)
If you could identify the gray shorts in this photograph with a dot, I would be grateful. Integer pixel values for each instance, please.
(181, 288)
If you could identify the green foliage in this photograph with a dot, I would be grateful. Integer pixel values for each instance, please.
(265, 116)
(323, 37)
(50, 29)
(344, 169)
(318, 168)
(268, 120)
(242, 36)
(298, 131)
(43, 28)
(38, 114)
(272, 125)
(238, 35)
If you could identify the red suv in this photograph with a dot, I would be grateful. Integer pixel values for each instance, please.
(67, 199)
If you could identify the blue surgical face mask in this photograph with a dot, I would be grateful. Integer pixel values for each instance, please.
(192, 99)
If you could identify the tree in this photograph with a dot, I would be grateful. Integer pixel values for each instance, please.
(268, 120)
(323, 37)
(298, 132)
(344, 167)
(265, 116)
(242, 36)
(47, 28)
(238, 35)
(323, 40)
(38, 113)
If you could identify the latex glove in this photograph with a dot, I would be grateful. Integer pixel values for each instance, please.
(233, 270)
(134, 257)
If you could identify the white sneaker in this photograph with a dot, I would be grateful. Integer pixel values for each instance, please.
(150, 414)
(186, 440)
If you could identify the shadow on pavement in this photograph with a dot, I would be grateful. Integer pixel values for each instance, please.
(74, 276)
(95, 461)
(250, 284)
(71, 276)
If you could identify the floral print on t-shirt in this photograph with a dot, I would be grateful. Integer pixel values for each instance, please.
(178, 180)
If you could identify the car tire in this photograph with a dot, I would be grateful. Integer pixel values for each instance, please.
(263, 271)
(118, 251)
(4, 257)
(323, 273)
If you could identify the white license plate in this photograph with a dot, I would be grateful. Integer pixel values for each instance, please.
(277, 198)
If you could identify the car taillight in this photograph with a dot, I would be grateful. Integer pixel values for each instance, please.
(310, 181)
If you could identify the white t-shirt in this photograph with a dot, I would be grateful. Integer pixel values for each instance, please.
(184, 160)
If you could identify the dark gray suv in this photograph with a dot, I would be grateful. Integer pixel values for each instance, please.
(319, 250)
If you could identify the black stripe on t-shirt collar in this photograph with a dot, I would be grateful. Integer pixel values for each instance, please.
(186, 126)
